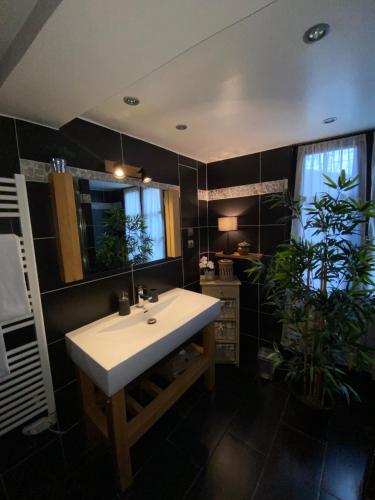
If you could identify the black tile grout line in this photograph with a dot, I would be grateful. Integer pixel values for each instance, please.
(256, 337)
(62, 339)
(71, 382)
(271, 447)
(322, 470)
(184, 417)
(192, 283)
(188, 166)
(248, 309)
(299, 431)
(180, 206)
(2, 483)
(68, 429)
(111, 276)
(248, 445)
(39, 449)
(65, 462)
(202, 467)
(198, 215)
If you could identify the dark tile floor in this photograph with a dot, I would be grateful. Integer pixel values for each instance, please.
(250, 440)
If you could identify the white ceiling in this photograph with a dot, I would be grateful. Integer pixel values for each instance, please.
(13, 14)
(252, 86)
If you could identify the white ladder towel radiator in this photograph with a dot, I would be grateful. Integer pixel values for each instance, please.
(28, 391)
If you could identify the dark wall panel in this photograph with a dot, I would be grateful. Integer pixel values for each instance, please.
(159, 163)
(189, 196)
(9, 163)
(190, 251)
(245, 208)
(234, 171)
(277, 164)
(92, 144)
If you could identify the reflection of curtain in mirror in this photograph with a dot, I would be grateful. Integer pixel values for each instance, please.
(153, 214)
(132, 204)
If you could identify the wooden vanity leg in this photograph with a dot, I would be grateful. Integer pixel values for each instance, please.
(88, 403)
(209, 350)
(118, 432)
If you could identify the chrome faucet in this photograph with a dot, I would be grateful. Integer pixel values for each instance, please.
(140, 293)
(144, 295)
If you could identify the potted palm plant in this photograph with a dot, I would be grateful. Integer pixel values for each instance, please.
(321, 287)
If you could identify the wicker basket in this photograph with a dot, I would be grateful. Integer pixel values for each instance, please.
(226, 269)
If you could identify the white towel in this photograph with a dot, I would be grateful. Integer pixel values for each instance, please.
(4, 367)
(14, 301)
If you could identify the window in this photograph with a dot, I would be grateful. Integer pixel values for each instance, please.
(149, 203)
(329, 158)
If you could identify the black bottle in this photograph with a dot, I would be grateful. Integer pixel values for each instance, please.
(124, 305)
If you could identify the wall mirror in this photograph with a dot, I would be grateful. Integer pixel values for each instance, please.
(119, 224)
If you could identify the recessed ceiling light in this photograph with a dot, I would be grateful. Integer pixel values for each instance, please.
(316, 33)
(181, 126)
(146, 179)
(119, 173)
(330, 119)
(131, 101)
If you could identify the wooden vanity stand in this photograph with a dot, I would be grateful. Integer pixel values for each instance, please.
(107, 416)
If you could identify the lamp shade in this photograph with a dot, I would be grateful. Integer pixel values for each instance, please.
(227, 223)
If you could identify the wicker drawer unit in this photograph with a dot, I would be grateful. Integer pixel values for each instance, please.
(225, 353)
(225, 331)
(226, 327)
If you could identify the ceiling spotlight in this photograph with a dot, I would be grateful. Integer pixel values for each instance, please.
(146, 179)
(181, 126)
(119, 173)
(316, 33)
(330, 119)
(131, 101)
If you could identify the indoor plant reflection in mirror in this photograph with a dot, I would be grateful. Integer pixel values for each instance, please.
(125, 240)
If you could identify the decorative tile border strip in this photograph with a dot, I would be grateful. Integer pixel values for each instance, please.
(244, 190)
(38, 172)
(203, 195)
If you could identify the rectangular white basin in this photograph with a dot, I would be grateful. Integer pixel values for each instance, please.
(115, 350)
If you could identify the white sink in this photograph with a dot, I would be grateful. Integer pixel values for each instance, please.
(116, 349)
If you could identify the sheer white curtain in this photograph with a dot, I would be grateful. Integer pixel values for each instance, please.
(329, 158)
(132, 202)
(153, 213)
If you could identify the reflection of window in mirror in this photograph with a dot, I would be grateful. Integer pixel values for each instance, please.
(149, 203)
(121, 224)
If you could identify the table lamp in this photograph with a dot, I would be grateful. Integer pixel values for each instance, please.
(227, 224)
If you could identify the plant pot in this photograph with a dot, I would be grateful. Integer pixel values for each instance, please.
(209, 275)
(311, 404)
(243, 250)
(58, 165)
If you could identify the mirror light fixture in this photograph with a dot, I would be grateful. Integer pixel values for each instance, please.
(146, 179)
(227, 224)
(119, 172)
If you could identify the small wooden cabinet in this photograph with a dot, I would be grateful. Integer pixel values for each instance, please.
(227, 325)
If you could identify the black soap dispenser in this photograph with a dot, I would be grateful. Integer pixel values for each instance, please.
(124, 304)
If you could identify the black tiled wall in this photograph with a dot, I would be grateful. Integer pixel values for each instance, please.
(258, 224)
(67, 307)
